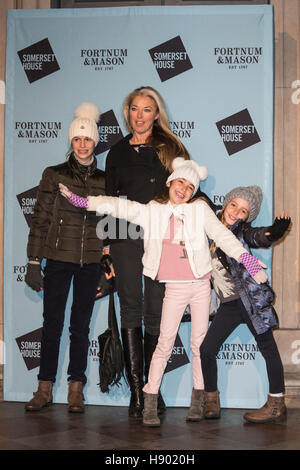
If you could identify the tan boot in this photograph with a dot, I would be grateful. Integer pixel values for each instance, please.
(75, 397)
(41, 398)
(196, 410)
(212, 408)
(273, 410)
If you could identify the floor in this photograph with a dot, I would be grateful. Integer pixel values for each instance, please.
(108, 428)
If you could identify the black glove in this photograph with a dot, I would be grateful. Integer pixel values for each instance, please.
(105, 263)
(33, 277)
(278, 229)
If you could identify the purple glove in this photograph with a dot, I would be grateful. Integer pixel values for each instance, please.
(251, 263)
(77, 201)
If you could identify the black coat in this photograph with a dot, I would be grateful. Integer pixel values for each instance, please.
(58, 230)
(140, 176)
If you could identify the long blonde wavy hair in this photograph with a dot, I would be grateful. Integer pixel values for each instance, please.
(167, 145)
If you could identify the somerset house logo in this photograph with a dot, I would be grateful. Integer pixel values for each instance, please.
(238, 132)
(170, 58)
(30, 348)
(27, 201)
(38, 60)
(109, 132)
(179, 356)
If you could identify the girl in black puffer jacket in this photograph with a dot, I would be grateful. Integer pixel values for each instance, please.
(66, 237)
(244, 301)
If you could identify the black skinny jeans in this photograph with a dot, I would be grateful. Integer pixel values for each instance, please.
(228, 317)
(57, 282)
(134, 305)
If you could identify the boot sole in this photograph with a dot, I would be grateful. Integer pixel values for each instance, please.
(280, 419)
(151, 425)
(213, 417)
(75, 411)
(39, 409)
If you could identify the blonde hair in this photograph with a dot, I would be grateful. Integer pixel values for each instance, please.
(167, 145)
(221, 217)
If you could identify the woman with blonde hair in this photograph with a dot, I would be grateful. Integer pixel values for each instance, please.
(137, 168)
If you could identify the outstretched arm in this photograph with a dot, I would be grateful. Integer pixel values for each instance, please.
(118, 207)
(263, 237)
(279, 227)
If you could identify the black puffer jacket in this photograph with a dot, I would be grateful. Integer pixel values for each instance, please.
(58, 230)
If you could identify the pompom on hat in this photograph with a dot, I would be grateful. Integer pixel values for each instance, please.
(189, 170)
(252, 194)
(85, 123)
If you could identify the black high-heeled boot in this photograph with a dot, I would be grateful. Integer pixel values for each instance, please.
(132, 340)
(150, 342)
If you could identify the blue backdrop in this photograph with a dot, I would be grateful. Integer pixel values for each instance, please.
(214, 68)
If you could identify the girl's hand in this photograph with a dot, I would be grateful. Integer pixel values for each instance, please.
(64, 190)
(75, 200)
(260, 277)
(279, 227)
(254, 267)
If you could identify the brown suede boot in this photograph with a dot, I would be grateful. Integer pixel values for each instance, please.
(41, 398)
(75, 397)
(196, 410)
(150, 417)
(212, 408)
(274, 410)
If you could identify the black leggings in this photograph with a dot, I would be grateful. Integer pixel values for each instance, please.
(228, 317)
(57, 282)
(136, 306)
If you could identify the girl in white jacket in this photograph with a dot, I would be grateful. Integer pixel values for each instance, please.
(176, 251)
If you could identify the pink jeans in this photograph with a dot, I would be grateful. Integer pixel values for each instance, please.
(177, 297)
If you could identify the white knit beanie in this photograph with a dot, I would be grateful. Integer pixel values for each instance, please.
(189, 170)
(85, 123)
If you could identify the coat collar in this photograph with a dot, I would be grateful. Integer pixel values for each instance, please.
(82, 169)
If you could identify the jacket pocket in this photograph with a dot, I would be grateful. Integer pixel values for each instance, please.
(58, 233)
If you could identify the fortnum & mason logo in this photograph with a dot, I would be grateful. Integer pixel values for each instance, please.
(103, 59)
(238, 57)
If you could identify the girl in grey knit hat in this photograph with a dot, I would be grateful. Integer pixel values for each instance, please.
(242, 301)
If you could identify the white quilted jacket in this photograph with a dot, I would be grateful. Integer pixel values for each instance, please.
(199, 221)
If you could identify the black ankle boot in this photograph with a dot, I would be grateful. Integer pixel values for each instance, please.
(132, 340)
(150, 342)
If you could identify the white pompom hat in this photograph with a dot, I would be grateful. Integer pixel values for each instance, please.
(189, 170)
(85, 123)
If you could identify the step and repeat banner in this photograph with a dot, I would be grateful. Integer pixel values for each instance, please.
(213, 65)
